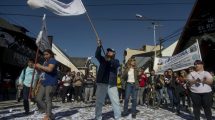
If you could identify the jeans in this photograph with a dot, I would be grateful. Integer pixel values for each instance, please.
(65, 91)
(140, 95)
(47, 92)
(78, 93)
(170, 94)
(202, 100)
(130, 90)
(26, 91)
(88, 94)
(101, 91)
(164, 93)
(159, 96)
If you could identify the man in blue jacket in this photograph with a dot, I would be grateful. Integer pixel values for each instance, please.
(106, 82)
(25, 80)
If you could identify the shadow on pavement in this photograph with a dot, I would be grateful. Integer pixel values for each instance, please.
(60, 115)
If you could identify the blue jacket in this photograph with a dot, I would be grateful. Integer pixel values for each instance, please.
(26, 77)
(107, 72)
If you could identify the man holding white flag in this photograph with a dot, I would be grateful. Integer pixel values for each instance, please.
(42, 39)
(75, 7)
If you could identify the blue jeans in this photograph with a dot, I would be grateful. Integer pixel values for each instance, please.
(159, 95)
(26, 91)
(170, 94)
(101, 91)
(130, 89)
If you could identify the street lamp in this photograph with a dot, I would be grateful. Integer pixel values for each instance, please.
(155, 25)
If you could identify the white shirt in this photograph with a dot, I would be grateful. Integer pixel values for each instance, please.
(66, 80)
(131, 76)
(200, 87)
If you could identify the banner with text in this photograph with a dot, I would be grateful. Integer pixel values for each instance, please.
(179, 61)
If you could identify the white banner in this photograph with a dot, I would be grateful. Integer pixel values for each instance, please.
(42, 39)
(179, 61)
(75, 7)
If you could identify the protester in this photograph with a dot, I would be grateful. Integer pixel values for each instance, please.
(159, 90)
(151, 90)
(163, 90)
(201, 92)
(185, 89)
(25, 80)
(77, 84)
(170, 83)
(119, 87)
(72, 90)
(142, 87)
(130, 76)
(6, 86)
(89, 85)
(107, 82)
(48, 83)
(178, 92)
(213, 85)
(66, 80)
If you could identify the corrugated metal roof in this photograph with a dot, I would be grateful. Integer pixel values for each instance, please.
(6, 25)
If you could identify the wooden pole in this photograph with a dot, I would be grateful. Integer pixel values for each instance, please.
(29, 96)
(94, 29)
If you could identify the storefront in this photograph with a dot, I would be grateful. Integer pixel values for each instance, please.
(15, 49)
(200, 26)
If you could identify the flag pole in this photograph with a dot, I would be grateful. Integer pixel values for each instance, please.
(94, 29)
(35, 62)
(199, 51)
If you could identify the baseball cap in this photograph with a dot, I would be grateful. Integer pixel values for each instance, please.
(110, 50)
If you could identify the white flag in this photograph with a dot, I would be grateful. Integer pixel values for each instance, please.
(42, 39)
(75, 7)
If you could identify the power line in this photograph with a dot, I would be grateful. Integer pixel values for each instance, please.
(138, 4)
(173, 33)
(114, 4)
(100, 19)
(170, 38)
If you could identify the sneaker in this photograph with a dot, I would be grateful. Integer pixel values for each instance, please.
(26, 112)
(178, 112)
(124, 114)
(133, 115)
(32, 103)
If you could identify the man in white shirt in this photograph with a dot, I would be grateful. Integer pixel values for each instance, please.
(201, 92)
(66, 86)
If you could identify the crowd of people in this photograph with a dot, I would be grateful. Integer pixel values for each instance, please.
(189, 89)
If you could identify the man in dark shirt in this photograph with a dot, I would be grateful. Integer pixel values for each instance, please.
(106, 82)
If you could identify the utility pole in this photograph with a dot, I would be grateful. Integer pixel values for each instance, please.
(154, 29)
(160, 41)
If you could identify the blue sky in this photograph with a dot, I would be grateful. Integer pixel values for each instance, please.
(114, 20)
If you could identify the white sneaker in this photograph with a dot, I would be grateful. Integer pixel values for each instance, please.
(31, 103)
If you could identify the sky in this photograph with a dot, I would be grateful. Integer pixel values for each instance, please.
(114, 20)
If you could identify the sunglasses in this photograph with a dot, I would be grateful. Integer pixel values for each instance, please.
(197, 64)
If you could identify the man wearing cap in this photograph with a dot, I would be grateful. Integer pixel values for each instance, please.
(201, 92)
(106, 82)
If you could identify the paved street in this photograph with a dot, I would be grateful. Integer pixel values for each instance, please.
(11, 110)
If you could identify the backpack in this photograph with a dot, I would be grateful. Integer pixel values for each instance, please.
(24, 71)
